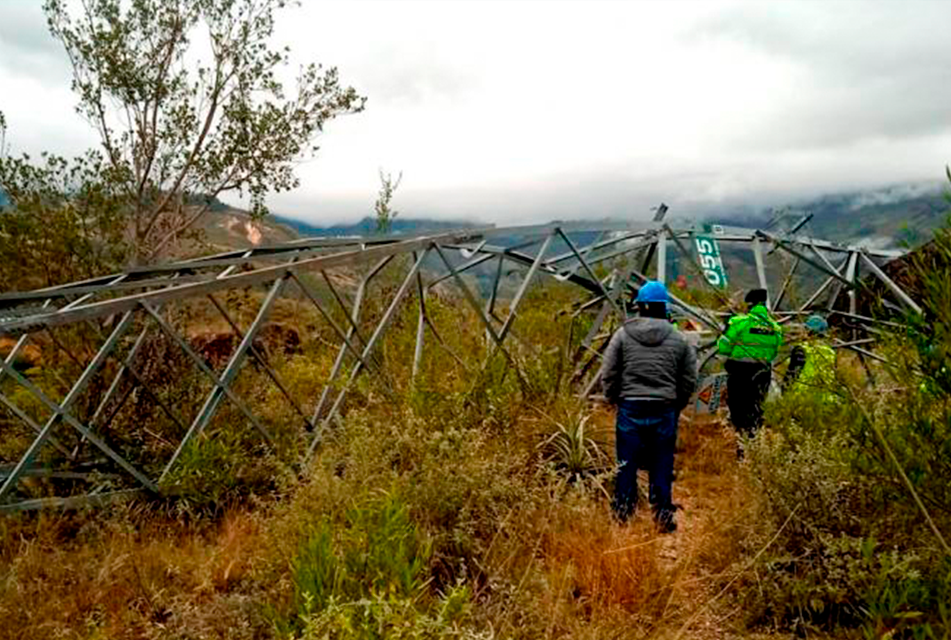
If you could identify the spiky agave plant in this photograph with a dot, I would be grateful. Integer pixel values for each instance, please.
(571, 450)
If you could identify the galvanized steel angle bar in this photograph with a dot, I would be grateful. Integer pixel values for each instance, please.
(816, 295)
(699, 269)
(513, 307)
(863, 352)
(867, 320)
(27, 420)
(96, 500)
(761, 269)
(477, 308)
(220, 385)
(442, 343)
(639, 246)
(787, 246)
(425, 320)
(494, 292)
(489, 251)
(126, 365)
(469, 252)
(470, 298)
(590, 272)
(662, 258)
(62, 412)
(850, 265)
(823, 258)
(354, 317)
(786, 283)
(818, 292)
(261, 360)
(420, 329)
(354, 327)
(374, 337)
(343, 335)
(595, 246)
(584, 252)
(258, 276)
(898, 291)
(648, 253)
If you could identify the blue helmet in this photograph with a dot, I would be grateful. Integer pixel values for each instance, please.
(652, 291)
(817, 324)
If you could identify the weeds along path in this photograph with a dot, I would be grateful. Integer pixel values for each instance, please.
(676, 579)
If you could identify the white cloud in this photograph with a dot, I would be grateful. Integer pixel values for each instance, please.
(524, 111)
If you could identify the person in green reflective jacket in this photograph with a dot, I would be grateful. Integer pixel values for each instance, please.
(751, 342)
(812, 362)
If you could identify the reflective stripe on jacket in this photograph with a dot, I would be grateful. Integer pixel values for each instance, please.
(753, 337)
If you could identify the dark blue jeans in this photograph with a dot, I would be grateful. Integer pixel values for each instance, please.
(646, 436)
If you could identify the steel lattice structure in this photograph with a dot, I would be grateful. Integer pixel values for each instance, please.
(67, 446)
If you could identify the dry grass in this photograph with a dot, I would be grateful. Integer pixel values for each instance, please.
(542, 555)
(75, 576)
(558, 566)
(602, 571)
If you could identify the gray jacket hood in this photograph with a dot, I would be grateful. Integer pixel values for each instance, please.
(649, 359)
(650, 332)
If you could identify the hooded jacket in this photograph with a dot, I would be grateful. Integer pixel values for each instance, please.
(753, 337)
(649, 359)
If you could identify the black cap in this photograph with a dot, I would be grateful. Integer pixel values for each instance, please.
(756, 296)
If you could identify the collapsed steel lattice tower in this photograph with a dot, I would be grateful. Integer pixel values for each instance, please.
(76, 450)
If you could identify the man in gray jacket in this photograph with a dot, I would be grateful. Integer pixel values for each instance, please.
(649, 372)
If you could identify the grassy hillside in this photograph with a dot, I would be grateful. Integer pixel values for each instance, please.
(228, 228)
(474, 503)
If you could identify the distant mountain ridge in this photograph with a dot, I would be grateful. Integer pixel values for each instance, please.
(892, 216)
(367, 226)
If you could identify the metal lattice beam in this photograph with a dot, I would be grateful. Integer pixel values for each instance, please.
(140, 297)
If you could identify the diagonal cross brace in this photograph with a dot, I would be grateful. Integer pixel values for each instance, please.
(353, 317)
(261, 360)
(223, 385)
(904, 297)
(26, 419)
(371, 342)
(469, 296)
(62, 412)
(587, 268)
(216, 381)
(513, 308)
(343, 335)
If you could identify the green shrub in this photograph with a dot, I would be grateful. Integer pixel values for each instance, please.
(571, 451)
(367, 579)
(845, 475)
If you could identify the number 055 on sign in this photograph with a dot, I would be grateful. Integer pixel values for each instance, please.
(710, 262)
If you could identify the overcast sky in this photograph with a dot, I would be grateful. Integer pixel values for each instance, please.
(530, 111)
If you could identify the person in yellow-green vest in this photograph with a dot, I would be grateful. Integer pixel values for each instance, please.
(812, 362)
(751, 342)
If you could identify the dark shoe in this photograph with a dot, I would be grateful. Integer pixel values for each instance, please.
(665, 522)
(621, 514)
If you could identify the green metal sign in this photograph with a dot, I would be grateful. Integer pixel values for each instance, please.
(709, 251)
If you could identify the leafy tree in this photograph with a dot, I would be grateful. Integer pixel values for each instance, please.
(59, 220)
(385, 213)
(188, 104)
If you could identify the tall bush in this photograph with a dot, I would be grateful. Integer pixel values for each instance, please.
(856, 485)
